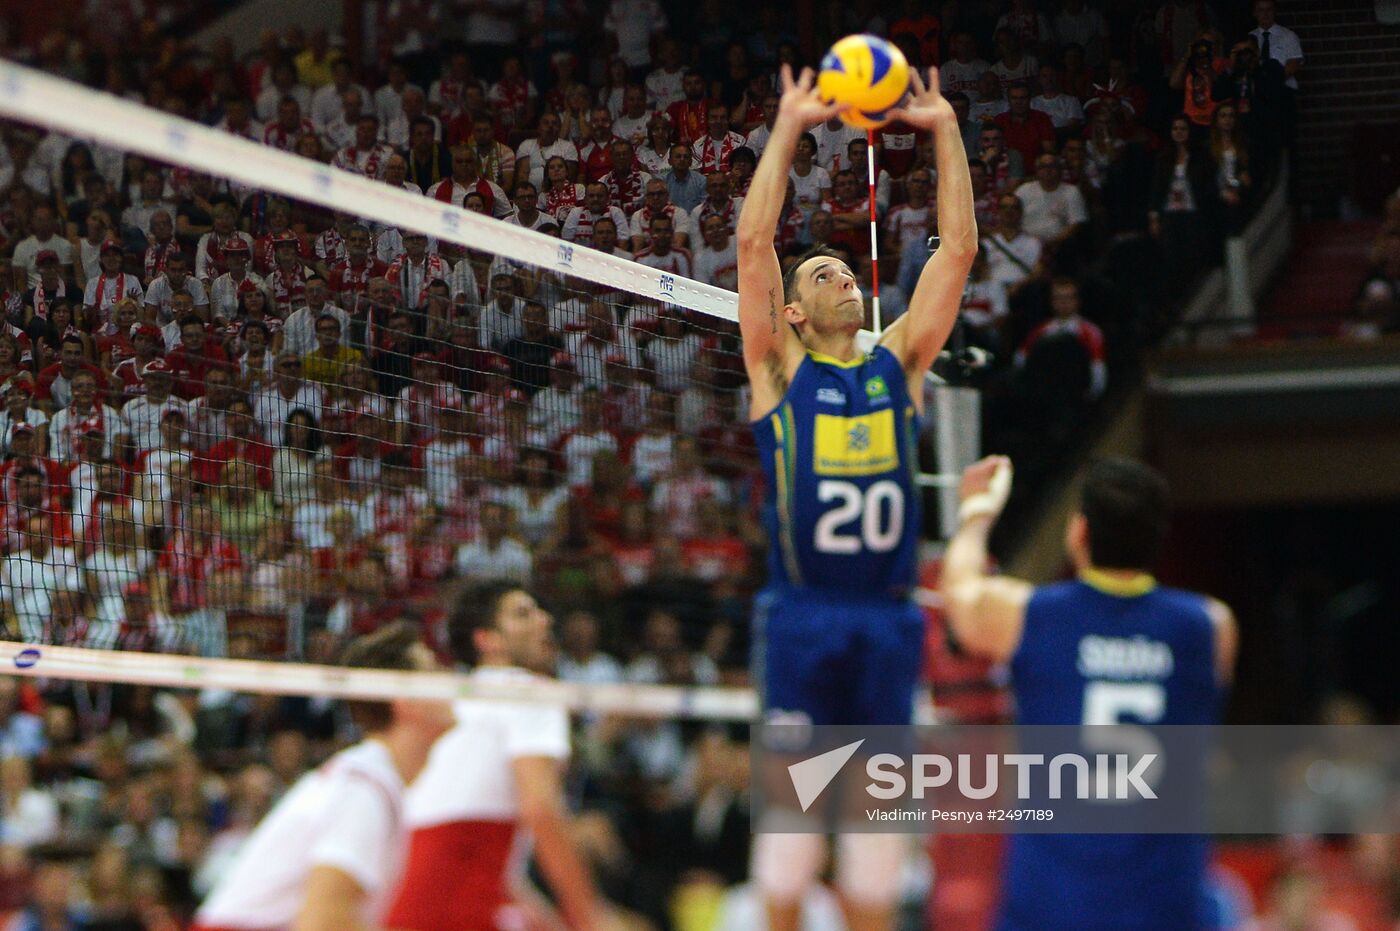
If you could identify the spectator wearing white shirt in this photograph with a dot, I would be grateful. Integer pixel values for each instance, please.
(288, 392)
(586, 440)
(1051, 210)
(580, 660)
(717, 261)
(833, 141)
(414, 108)
(136, 219)
(299, 330)
(33, 573)
(284, 85)
(915, 218)
(554, 410)
(963, 71)
(657, 203)
(176, 280)
(44, 237)
(327, 100)
(1064, 110)
(142, 415)
(988, 101)
(662, 254)
(1079, 24)
(811, 182)
(1013, 255)
(757, 139)
(494, 554)
(29, 815)
(666, 84)
(578, 223)
(633, 24)
(712, 150)
(532, 155)
(388, 100)
(636, 116)
(1280, 44)
(502, 316)
(1014, 64)
(675, 499)
(365, 154)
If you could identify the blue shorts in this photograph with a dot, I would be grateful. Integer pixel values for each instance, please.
(838, 660)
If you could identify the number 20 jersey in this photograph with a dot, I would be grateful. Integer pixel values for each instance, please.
(840, 453)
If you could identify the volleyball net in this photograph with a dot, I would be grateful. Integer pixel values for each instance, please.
(275, 403)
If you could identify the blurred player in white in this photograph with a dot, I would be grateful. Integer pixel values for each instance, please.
(327, 857)
(491, 779)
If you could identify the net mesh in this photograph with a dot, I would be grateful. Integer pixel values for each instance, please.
(248, 422)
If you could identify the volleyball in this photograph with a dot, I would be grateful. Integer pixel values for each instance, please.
(866, 75)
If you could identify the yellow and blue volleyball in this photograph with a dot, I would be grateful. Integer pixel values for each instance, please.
(866, 75)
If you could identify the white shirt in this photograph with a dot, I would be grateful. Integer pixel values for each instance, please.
(834, 143)
(640, 225)
(299, 332)
(757, 140)
(29, 584)
(271, 407)
(578, 452)
(651, 455)
(908, 223)
(1283, 47)
(665, 87)
(223, 293)
(327, 103)
(1026, 70)
(956, 76)
(469, 776)
(62, 423)
(554, 411)
(203, 265)
(1047, 214)
(160, 294)
(1000, 267)
(634, 22)
(509, 560)
(808, 196)
(440, 464)
(388, 104)
(530, 149)
(347, 814)
(271, 98)
(719, 268)
(633, 129)
(499, 326)
(27, 250)
(1062, 109)
(142, 417)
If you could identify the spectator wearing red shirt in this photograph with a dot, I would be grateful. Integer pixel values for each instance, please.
(922, 29)
(1068, 324)
(716, 554)
(1024, 129)
(690, 116)
(196, 356)
(197, 578)
(53, 389)
(713, 149)
(595, 155)
(626, 182)
(240, 444)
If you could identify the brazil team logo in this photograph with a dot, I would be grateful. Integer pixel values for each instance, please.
(875, 388)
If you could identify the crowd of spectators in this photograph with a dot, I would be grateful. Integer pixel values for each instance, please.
(239, 425)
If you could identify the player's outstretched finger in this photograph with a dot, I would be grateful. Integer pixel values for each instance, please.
(916, 82)
(806, 79)
(785, 77)
(933, 82)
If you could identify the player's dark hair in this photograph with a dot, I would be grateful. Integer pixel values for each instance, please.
(476, 609)
(389, 647)
(790, 295)
(1126, 505)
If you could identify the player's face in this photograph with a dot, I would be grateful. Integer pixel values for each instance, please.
(523, 629)
(828, 297)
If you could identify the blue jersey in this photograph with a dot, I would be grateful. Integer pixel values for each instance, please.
(840, 454)
(1095, 652)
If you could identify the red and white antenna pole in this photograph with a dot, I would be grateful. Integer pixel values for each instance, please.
(877, 325)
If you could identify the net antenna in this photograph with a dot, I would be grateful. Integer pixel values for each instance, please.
(877, 324)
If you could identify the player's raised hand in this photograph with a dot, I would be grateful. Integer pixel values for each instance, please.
(927, 107)
(799, 101)
(985, 486)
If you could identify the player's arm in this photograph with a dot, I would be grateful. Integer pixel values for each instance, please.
(919, 334)
(332, 903)
(770, 345)
(540, 791)
(985, 613)
(1227, 640)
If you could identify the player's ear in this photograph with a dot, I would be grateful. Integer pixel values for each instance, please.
(1077, 541)
(794, 314)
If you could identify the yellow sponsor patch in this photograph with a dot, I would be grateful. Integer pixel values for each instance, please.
(864, 445)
